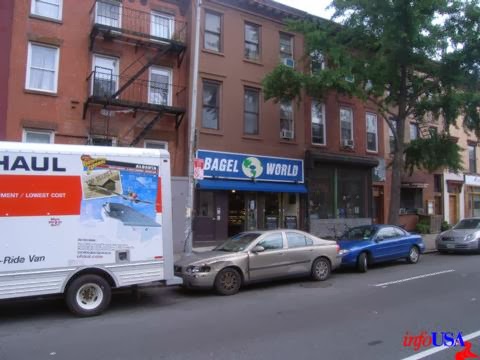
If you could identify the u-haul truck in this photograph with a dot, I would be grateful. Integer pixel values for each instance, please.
(80, 220)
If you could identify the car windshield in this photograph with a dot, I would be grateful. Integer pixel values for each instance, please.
(359, 233)
(238, 242)
(468, 224)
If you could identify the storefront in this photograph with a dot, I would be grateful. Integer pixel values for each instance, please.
(339, 192)
(242, 192)
(472, 195)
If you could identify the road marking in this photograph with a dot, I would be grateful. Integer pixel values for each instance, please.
(434, 350)
(414, 278)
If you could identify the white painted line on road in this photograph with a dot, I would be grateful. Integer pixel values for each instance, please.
(435, 350)
(414, 278)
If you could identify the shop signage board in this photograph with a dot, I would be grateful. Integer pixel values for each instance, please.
(235, 166)
(472, 180)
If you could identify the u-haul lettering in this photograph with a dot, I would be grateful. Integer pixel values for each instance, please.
(33, 163)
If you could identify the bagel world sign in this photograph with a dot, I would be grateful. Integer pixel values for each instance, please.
(236, 166)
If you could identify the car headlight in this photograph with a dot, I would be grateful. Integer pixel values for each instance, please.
(469, 237)
(343, 252)
(198, 269)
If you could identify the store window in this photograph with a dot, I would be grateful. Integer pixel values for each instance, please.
(351, 194)
(321, 194)
(475, 205)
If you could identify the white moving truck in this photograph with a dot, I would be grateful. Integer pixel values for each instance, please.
(80, 220)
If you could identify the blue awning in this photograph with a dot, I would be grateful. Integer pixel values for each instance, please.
(251, 186)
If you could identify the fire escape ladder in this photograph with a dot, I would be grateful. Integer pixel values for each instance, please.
(140, 72)
(146, 129)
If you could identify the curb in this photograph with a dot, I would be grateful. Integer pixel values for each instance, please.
(430, 251)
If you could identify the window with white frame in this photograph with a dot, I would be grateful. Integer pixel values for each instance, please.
(109, 13)
(213, 31)
(105, 78)
(413, 131)
(318, 123)
(160, 86)
(391, 137)
(42, 67)
(286, 120)
(346, 126)
(155, 144)
(38, 136)
(372, 132)
(161, 25)
(47, 8)
(286, 47)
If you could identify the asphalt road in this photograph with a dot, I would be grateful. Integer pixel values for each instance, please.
(350, 316)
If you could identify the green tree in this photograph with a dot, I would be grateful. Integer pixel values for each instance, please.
(412, 59)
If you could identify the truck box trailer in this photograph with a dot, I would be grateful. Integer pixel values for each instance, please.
(81, 220)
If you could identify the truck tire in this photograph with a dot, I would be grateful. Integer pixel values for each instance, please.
(88, 295)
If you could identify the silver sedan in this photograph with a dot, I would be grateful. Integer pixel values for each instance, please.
(258, 256)
(463, 237)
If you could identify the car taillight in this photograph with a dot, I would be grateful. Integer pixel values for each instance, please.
(338, 248)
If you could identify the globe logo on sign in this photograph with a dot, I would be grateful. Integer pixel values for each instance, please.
(252, 167)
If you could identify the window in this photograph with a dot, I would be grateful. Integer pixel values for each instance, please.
(318, 123)
(296, 240)
(272, 242)
(413, 131)
(286, 47)
(252, 41)
(372, 132)
(47, 8)
(213, 31)
(346, 126)
(286, 119)
(251, 111)
(160, 86)
(411, 199)
(387, 233)
(161, 25)
(42, 68)
(317, 62)
(432, 130)
(155, 144)
(37, 136)
(211, 103)
(108, 13)
(105, 79)
(472, 159)
(437, 183)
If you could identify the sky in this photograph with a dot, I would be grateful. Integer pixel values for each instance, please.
(314, 7)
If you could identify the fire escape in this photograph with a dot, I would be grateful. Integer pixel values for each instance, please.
(154, 36)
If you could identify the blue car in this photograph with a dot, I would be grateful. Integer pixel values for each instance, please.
(365, 245)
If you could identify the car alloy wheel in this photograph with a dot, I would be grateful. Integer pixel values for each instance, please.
(228, 281)
(414, 255)
(321, 269)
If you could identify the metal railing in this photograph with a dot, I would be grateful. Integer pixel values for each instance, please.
(141, 93)
(156, 26)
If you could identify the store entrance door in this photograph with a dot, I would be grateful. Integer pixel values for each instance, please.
(453, 209)
(378, 205)
(210, 222)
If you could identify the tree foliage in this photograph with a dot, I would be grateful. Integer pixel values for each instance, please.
(414, 60)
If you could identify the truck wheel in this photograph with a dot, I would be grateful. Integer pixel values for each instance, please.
(88, 295)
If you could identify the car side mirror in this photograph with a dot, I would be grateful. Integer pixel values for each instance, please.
(258, 249)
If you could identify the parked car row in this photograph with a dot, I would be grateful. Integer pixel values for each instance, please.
(255, 256)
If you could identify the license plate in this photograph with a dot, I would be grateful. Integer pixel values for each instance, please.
(450, 246)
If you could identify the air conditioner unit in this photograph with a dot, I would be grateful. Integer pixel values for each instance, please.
(347, 143)
(289, 62)
(286, 134)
